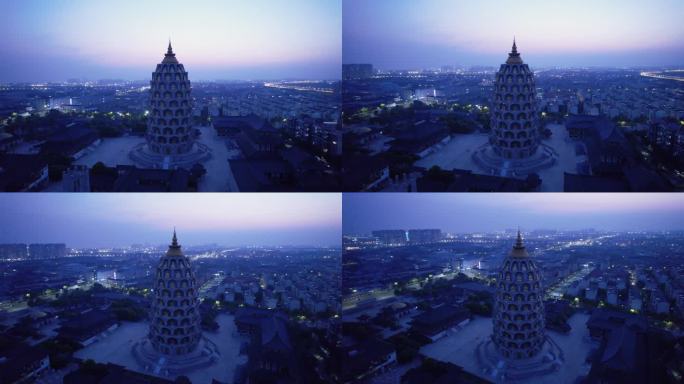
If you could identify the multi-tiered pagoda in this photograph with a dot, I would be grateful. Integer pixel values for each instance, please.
(519, 348)
(170, 138)
(175, 326)
(518, 312)
(514, 147)
(174, 344)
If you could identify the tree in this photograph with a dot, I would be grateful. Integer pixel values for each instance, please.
(198, 171)
(435, 173)
(461, 125)
(128, 310)
(57, 163)
(93, 368)
(60, 351)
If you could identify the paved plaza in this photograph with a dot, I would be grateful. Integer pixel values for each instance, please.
(459, 347)
(458, 154)
(111, 151)
(116, 349)
(219, 178)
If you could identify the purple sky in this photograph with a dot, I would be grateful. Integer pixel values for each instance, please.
(54, 40)
(473, 212)
(93, 219)
(409, 34)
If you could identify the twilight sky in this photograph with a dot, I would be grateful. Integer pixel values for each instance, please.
(409, 34)
(475, 212)
(121, 219)
(54, 40)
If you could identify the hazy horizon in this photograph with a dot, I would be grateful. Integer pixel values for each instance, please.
(404, 34)
(513, 229)
(122, 219)
(59, 40)
(486, 212)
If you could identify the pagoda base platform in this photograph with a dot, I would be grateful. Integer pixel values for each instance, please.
(205, 355)
(145, 158)
(546, 362)
(493, 164)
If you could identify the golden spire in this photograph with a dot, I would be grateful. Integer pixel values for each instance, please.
(519, 241)
(174, 248)
(519, 247)
(513, 51)
(514, 56)
(174, 241)
(170, 57)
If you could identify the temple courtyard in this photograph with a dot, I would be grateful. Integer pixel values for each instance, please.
(116, 348)
(459, 347)
(458, 154)
(219, 178)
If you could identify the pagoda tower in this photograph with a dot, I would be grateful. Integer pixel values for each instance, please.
(168, 124)
(514, 147)
(515, 127)
(170, 137)
(175, 327)
(518, 313)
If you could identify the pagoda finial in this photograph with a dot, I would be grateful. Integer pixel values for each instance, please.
(519, 241)
(519, 248)
(514, 56)
(515, 47)
(174, 242)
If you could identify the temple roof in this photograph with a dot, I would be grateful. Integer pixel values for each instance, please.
(514, 56)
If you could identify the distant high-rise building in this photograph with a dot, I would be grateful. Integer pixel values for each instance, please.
(423, 236)
(13, 252)
(447, 69)
(356, 242)
(46, 251)
(668, 135)
(515, 140)
(170, 134)
(356, 71)
(458, 264)
(391, 236)
(175, 328)
(518, 312)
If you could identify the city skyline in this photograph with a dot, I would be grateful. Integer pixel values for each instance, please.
(219, 40)
(115, 220)
(409, 35)
(363, 213)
